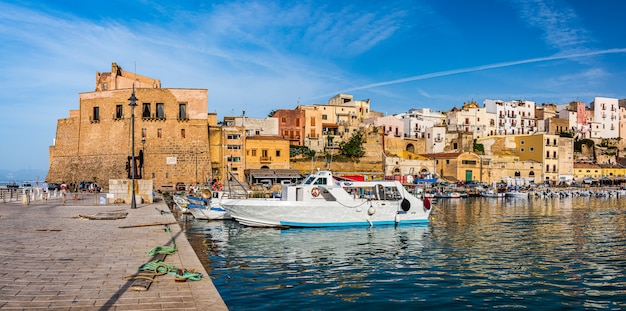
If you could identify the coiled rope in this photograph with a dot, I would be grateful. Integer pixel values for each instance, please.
(167, 250)
(160, 268)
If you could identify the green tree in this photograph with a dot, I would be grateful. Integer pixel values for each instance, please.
(353, 148)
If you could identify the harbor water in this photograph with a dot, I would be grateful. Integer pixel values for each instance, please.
(477, 253)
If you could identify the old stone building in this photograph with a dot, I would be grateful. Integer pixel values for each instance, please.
(171, 133)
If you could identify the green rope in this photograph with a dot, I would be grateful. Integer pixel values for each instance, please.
(164, 249)
(188, 275)
(161, 268)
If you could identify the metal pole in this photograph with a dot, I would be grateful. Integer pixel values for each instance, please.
(132, 104)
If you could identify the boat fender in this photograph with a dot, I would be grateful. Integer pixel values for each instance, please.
(427, 203)
(406, 205)
(371, 211)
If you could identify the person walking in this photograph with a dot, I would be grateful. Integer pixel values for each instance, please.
(44, 189)
(64, 193)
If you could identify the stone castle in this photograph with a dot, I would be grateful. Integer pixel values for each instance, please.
(171, 132)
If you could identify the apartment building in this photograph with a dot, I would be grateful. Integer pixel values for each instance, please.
(512, 117)
(605, 114)
(470, 118)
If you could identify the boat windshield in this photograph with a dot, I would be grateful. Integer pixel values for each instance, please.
(308, 180)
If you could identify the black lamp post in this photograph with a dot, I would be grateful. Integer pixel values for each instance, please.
(132, 104)
(143, 156)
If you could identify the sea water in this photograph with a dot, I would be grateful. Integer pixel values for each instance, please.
(477, 253)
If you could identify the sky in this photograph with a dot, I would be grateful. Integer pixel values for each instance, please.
(264, 55)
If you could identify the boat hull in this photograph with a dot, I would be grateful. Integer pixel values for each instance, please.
(272, 213)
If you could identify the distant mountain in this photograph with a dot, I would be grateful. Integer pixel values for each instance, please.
(22, 175)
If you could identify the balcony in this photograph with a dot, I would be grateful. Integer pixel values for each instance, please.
(153, 117)
(266, 159)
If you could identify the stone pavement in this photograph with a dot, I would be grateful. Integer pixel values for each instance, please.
(50, 258)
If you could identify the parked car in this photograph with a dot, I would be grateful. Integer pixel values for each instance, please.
(266, 183)
(180, 186)
(52, 187)
(85, 185)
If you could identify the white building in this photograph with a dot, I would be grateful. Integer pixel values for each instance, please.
(605, 118)
(257, 126)
(416, 121)
(512, 117)
(471, 119)
(435, 139)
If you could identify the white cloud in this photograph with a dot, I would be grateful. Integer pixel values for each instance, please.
(557, 20)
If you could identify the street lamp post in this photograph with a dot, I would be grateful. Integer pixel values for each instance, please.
(143, 157)
(132, 104)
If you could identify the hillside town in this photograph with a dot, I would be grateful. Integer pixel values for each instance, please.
(177, 141)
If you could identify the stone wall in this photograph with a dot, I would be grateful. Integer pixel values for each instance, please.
(120, 191)
(97, 150)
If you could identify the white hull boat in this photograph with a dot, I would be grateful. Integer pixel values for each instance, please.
(516, 194)
(322, 201)
(492, 194)
(210, 208)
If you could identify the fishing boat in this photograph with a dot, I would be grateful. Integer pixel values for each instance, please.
(207, 207)
(491, 194)
(516, 194)
(322, 201)
(213, 210)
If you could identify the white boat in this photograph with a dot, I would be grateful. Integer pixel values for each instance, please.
(322, 201)
(491, 194)
(206, 208)
(180, 203)
(214, 211)
(516, 194)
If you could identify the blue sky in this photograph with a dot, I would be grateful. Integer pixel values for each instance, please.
(266, 55)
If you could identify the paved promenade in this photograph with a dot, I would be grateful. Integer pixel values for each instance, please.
(53, 259)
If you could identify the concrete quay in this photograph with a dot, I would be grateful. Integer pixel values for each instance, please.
(54, 259)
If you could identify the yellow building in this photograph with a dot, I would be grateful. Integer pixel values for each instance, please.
(584, 170)
(542, 148)
(454, 166)
(267, 152)
(227, 151)
(613, 171)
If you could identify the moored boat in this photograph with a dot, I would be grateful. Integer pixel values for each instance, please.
(322, 201)
(491, 194)
(516, 194)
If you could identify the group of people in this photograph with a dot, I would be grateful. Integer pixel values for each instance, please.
(66, 190)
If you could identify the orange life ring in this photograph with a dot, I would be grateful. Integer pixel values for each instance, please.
(217, 186)
(315, 192)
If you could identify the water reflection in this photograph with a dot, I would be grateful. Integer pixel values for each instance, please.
(477, 253)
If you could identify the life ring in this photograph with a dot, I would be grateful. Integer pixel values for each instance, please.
(315, 192)
(217, 186)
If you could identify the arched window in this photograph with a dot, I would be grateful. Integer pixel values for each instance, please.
(410, 148)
